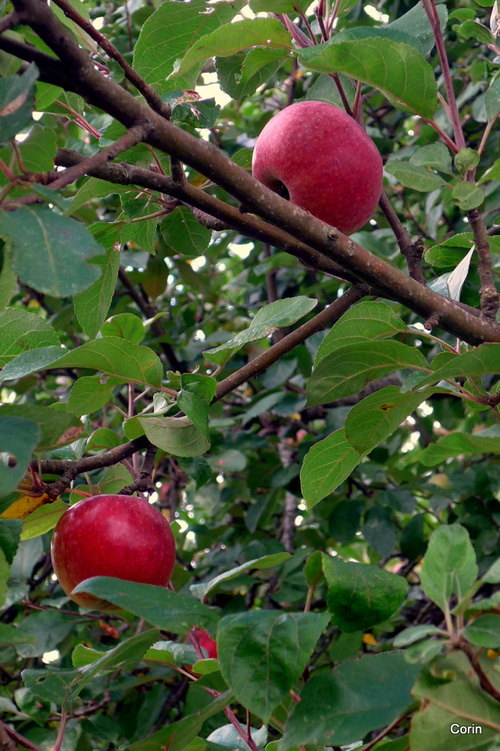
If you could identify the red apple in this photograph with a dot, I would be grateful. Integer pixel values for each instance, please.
(320, 158)
(111, 535)
(206, 642)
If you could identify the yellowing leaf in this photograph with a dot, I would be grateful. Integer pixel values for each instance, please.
(24, 505)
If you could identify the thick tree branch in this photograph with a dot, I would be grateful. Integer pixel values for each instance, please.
(247, 224)
(209, 161)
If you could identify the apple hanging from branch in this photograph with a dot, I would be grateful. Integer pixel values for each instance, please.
(111, 535)
(320, 158)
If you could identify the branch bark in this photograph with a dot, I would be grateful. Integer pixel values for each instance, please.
(209, 161)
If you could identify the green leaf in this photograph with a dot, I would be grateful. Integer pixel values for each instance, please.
(326, 465)
(262, 654)
(414, 177)
(197, 411)
(414, 634)
(43, 519)
(468, 196)
(90, 393)
(48, 629)
(18, 439)
(156, 52)
(342, 706)
(21, 331)
(377, 416)
(113, 356)
(233, 37)
(267, 561)
(379, 32)
(17, 100)
(477, 362)
(363, 322)
(241, 74)
(449, 565)
(492, 99)
(492, 575)
(416, 23)
(49, 685)
(456, 700)
(126, 326)
(474, 30)
(175, 435)
(177, 736)
(158, 606)
(50, 252)
(185, 235)
(124, 656)
(12, 635)
(434, 155)
(448, 254)
(92, 305)
(397, 69)
(56, 427)
(360, 595)
(466, 159)
(275, 315)
(348, 369)
(10, 534)
(456, 444)
(204, 387)
(484, 631)
(4, 577)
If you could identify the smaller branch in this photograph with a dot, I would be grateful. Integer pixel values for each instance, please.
(451, 144)
(19, 739)
(149, 94)
(144, 481)
(132, 137)
(9, 21)
(489, 293)
(69, 470)
(486, 134)
(261, 363)
(413, 252)
(433, 16)
(394, 724)
(473, 658)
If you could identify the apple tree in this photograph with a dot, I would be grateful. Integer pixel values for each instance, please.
(315, 414)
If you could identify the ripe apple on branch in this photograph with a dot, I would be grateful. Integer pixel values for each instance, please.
(111, 535)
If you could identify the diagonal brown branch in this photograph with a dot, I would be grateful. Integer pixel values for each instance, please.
(209, 161)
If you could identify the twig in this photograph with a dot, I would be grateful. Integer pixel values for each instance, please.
(412, 251)
(321, 321)
(19, 739)
(489, 293)
(394, 724)
(69, 470)
(433, 16)
(149, 94)
(144, 481)
(473, 658)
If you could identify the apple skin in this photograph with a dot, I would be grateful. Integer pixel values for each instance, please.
(111, 535)
(206, 642)
(320, 158)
